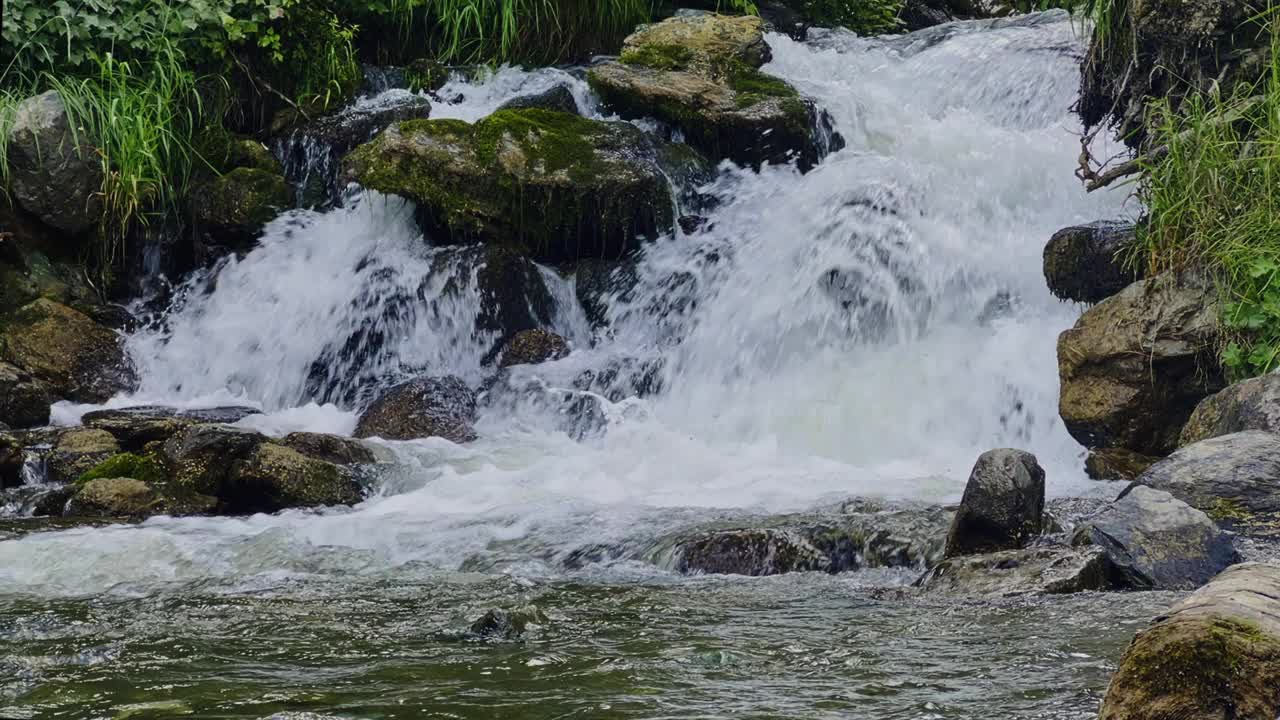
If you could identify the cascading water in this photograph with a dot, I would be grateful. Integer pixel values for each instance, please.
(867, 328)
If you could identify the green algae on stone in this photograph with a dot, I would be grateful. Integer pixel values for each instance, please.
(146, 468)
(242, 200)
(552, 184)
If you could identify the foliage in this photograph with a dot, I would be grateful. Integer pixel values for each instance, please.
(865, 17)
(1213, 203)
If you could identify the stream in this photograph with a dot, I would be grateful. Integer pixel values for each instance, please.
(866, 329)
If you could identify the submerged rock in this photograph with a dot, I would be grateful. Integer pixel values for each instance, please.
(75, 357)
(1234, 478)
(1135, 365)
(1087, 263)
(1156, 541)
(53, 173)
(24, 400)
(508, 625)
(1250, 405)
(1040, 570)
(700, 74)
(861, 535)
(428, 407)
(1002, 507)
(557, 186)
(1215, 654)
(531, 347)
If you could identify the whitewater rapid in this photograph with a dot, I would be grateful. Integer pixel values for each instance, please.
(867, 328)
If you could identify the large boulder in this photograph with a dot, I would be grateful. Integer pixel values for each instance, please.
(557, 186)
(1135, 365)
(231, 210)
(53, 171)
(1234, 478)
(701, 75)
(24, 400)
(1002, 507)
(1250, 405)
(1215, 654)
(427, 407)
(559, 98)
(1157, 541)
(75, 357)
(1088, 263)
(234, 471)
(1039, 570)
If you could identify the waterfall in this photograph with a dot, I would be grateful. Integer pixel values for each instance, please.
(867, 328)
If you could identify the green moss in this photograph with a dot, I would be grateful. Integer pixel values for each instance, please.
(145, 468)
(658, 56)
(865, 17)
(245, 197)
(1228, 510)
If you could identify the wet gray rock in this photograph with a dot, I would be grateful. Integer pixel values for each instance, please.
(1087, 263)
(77, 451)
(1215, 654)
(1235, 478)
(75, 357)
(1002, 507)
(531, 347)
(1156, 541)
(1249, 405)
(136, 427)
(859, 535)
(559, 98)
(53, 172)
(1040, 570)
(24, 399)
(428, 407)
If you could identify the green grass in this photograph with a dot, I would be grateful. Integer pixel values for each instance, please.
(1214, 203)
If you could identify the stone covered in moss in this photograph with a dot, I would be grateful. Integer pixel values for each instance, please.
(24, 400)
(1253, 404)
(275, 477)
(75, 357)
(555, 185)
(231, 210)
(1089, 263)
(1117, 464)
(1037, 570)
(115, 497)
(427, 407)
(1216, 654)
(78, 451)
(12, 458)
(146, 468)
(701, 74)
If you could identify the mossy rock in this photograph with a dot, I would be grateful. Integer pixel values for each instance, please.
(275, 478)
(700, 74)
(75, 357)
(554, 185)
(12, 458)
(24, 400)
(78, 451)
(146, 468)
(231, 210)
(1216, 654)
(124, 497)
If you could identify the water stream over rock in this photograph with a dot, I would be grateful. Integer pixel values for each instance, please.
(864, 329)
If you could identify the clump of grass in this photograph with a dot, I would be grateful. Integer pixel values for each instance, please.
(1214, 203)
